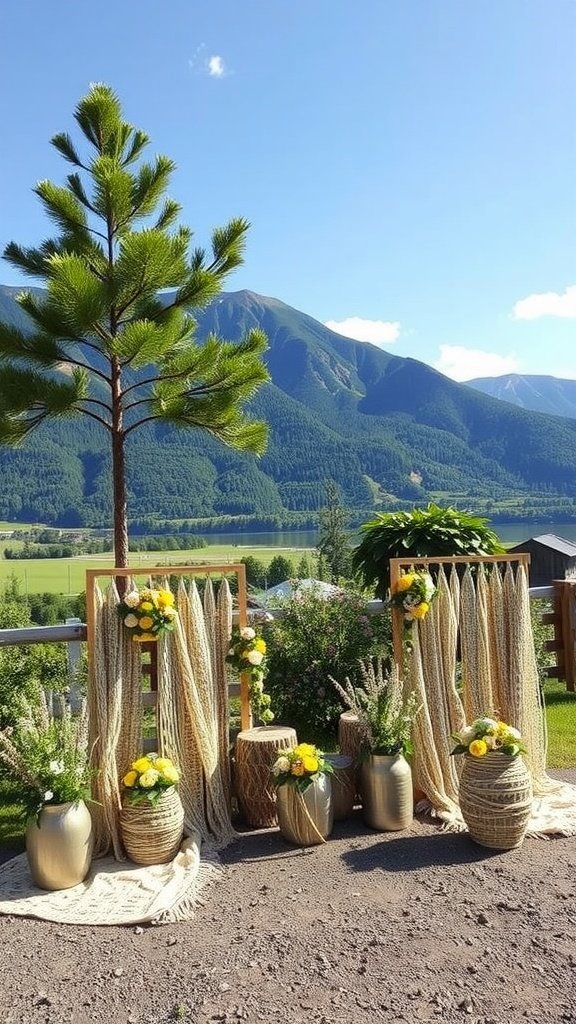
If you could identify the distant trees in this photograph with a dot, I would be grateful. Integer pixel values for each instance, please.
(107, 344)
(333, 540)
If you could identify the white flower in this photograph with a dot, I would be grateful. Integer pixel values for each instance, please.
(484, 725)
(254, 657)
(467, 735)
(132, 599)
(490, 741)
(131, 621)
(56, 767)
(48, 795)
(247, 633)
(514, 733)
(281, 765)
(429, 585)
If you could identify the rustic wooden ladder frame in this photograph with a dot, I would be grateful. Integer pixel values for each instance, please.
(150, 699)
(397, 564)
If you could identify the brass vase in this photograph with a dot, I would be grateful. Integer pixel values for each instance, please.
(386, 784)
(59, 845)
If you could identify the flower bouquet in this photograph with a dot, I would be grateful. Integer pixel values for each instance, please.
(303, 794)
(47, 756)
(152, 816)
(413, 594)
(495, 785)
(147, 613)
(486, 734)
(248, 654)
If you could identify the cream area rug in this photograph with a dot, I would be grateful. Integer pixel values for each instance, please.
(115, 893)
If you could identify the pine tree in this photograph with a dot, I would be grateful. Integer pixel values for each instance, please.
(107, 343)
(333, 541)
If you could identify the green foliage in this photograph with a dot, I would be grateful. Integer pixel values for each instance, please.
(46, 756)
(386, 713)
(256, 571)
(333, 540)
(427, 532)
(279, 570)
(313, 640)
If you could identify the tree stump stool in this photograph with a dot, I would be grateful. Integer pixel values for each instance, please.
(353, 741)
(256, 751)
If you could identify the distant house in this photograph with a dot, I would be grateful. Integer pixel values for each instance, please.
(551, 558)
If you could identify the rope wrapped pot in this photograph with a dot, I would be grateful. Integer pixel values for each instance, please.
(306, 818)
(152, 833)
(496, 799)
(256, 751)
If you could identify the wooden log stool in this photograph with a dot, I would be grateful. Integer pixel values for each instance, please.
(353, 741)
(256, 751)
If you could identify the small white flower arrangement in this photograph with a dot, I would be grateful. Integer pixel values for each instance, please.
(488, 734)
(147, 613)
(247, 653)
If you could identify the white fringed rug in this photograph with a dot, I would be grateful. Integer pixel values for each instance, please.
(115, 893)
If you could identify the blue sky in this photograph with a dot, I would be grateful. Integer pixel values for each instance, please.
(408, 167)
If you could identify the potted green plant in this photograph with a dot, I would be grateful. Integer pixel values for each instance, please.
(386, 715)
(47, 755)
(303, 794)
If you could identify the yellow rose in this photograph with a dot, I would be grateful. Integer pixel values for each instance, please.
(418, 611)
(130, 778)
(260, 645)
(405, 582)
(161, 763)
(146, 622)
(149, 778)
(297, 768)
(310, 763)
(146, 606)
(305, 748)
(165, 598)
(478, 748)
(142, 764)
(170, 774)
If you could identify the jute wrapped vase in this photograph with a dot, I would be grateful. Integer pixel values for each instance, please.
(496, 799)
(305, 818)
(152, 833)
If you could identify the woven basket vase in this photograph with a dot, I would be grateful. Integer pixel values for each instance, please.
(152, 833)
(496, 799)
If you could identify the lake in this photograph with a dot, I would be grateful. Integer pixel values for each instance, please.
(509, 533)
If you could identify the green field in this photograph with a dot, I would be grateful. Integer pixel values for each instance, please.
(67, 575)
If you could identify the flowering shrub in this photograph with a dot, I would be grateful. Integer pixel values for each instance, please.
(248, 654)
(147, 613)
(148, 777)
(413, 594)
(300, 766)
(486, 734)
(315, 639)
(385, 711)
(47, 756)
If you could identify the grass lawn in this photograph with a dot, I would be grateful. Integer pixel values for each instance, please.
(67, 575)
(561, 719)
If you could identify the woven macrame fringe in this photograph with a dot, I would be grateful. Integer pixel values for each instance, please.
(210, 870)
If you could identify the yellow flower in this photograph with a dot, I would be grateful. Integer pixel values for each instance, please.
(297, 768)
(310, 763)
(165, 598)
(130, 778)
(146, 606)
(142, 764)
(478, 748)
(146, 622)
(305, 748)
(170, 774)
(501, 728)
(260, 645)
(418, 611)
(143, 638)
(405, 582)
(149, 778)
(161, 763)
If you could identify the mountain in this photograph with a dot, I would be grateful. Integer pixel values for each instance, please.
(383, 427)
(550, 395)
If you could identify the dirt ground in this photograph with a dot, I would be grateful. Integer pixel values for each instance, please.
(412, 926)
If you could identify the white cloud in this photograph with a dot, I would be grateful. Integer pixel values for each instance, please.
(377, 332)
(467, 363)
(534, 306)
(216, 67)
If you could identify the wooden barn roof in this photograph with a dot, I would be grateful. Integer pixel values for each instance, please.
(550, 540)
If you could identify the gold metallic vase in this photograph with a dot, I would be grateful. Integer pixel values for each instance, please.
(306, 818)
(387, 800)
(59, 845)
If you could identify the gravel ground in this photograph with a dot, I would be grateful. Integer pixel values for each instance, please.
(412, 926)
